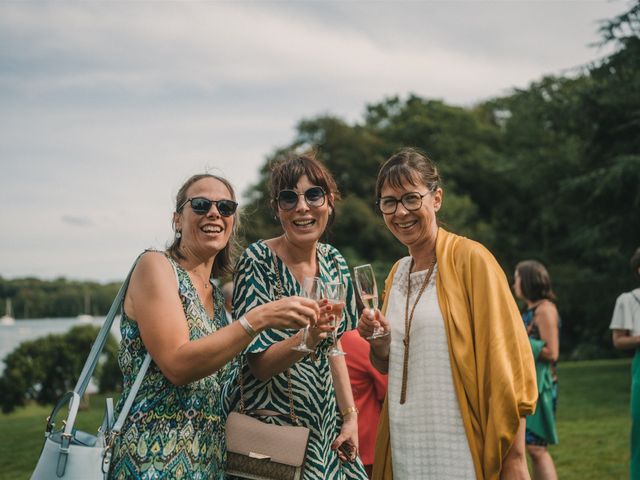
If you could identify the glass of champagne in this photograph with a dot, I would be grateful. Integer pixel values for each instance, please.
(368, 291)
(336, 293)
(312, 287)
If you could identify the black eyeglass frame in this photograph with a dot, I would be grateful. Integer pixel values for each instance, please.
(401, 200)
(207, 204)
(304, 195)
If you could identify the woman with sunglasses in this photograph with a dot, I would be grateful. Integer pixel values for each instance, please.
(303, 193)
(461, 372)
(173, 311)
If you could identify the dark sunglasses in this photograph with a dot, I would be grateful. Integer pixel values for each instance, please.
(201, 206)
(288, 199)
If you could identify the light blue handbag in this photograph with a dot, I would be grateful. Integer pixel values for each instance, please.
(75, 455)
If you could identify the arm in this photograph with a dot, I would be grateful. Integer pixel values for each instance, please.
(514, 465)
(547, 321)
(623, 340)
(344, 398)
(280, 356)
(153, 301)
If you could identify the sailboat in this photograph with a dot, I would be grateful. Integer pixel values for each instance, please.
(86, 317)
(7, 319)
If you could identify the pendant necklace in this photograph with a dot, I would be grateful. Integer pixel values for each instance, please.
(408, 319)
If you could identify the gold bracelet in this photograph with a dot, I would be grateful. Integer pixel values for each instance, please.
(348, 411)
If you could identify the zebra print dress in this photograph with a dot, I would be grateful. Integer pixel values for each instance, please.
(312, 385)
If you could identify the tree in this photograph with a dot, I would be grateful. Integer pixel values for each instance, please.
(42, 370)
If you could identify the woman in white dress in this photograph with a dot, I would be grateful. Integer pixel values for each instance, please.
(461, 373)
(625, 326)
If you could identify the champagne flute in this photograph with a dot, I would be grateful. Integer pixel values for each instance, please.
(336, 293)
(312, 287)
(368, 291)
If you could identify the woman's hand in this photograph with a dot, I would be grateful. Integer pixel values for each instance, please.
(323, 326)
(369, 321)
(290, 312)
(347, 442)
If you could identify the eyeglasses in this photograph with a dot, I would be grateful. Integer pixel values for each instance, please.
(410, 201)
(201, 206)
(288, 199)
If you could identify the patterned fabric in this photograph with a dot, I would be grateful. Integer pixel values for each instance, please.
(533, 332)
(428, 438)
(172, 432)
(312, 384)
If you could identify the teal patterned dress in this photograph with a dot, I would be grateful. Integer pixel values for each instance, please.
(313, 391)
(172, 432)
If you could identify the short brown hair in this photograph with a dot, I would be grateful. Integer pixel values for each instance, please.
(286, 173)
(408, 165)
(635, 262)
(535, 282)
(223, 263)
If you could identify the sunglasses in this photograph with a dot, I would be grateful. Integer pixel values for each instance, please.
(288, 199)
(201, 206)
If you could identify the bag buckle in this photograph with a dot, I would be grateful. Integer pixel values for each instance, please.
(259, 456)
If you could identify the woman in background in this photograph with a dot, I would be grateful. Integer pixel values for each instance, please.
(625, 326)
(533, 285)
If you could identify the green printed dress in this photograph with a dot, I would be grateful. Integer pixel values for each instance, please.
(172, 432)
(313, 391)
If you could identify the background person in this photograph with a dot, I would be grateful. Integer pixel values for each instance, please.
(532, 284)
(461, 373)
(303, 193)
(369, 389)
(175, 428)
(625, 326)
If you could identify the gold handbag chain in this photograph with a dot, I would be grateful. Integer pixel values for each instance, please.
(292, 414)
(408, 320)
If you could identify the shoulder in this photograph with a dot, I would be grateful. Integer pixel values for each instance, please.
(153, 271)
(624, 298)
(256, 252)
(328, 250)
(547, 312)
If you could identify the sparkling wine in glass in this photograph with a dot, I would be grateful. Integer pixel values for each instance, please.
(312, 287)
(336, 294)
(368, 291)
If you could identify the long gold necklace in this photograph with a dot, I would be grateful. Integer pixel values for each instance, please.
(408, 320)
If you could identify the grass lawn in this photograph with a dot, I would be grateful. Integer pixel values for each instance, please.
(593, 424)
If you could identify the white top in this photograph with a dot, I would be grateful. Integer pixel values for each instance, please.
(428, 440)
(626, 314)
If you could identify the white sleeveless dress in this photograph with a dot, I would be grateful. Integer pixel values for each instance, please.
(428, 439)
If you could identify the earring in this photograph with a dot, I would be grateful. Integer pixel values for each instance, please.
(178, 235)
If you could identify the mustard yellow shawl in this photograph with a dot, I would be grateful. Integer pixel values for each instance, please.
(491, 362)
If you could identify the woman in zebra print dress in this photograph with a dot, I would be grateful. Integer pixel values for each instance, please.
(322, 395)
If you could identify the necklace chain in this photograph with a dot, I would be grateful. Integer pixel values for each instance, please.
(408, 320)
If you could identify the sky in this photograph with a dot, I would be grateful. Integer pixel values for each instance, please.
(107, 107)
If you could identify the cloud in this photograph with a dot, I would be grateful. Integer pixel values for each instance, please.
(77, 221)
(107, 107)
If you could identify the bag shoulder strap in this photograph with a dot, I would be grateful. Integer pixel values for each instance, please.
(279, 295)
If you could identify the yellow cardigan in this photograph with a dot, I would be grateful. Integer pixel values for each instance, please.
(491, 362)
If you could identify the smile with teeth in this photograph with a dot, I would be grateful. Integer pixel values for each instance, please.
(304, 223)
(212, 229)
(405, 225)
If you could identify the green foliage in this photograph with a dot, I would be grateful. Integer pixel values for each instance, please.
(42, 370)
(550, 172)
